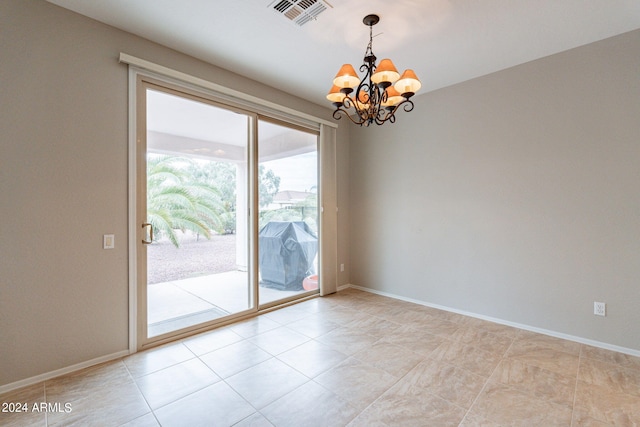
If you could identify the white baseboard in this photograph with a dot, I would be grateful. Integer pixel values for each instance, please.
(599, 344)
(347, 286)
(63, 371)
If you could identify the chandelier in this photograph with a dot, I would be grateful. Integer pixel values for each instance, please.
(377, 97)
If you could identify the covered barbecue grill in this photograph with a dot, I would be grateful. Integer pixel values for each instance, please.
(287, 251)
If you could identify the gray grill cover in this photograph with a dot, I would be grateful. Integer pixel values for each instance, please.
(287, 250)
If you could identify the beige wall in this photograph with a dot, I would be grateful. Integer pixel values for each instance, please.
(514, 196)
(63, 182)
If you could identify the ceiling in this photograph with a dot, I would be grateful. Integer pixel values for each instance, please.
(444, 41)
(189, 128)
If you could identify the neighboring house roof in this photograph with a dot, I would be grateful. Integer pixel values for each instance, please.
(291, 196)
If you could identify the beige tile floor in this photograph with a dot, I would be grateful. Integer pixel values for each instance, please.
(353, 359)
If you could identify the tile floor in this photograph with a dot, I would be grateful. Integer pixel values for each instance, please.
(352, 359)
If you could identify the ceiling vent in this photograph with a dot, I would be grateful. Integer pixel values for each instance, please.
(300, 11)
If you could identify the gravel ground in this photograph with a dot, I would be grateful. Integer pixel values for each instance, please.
(194, 257)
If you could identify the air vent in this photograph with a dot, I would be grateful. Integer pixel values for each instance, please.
(300, 11)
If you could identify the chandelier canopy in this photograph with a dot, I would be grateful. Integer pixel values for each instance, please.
(381, 92)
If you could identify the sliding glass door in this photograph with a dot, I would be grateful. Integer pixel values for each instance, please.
(193, 168)
(288, 212)
(227, 212)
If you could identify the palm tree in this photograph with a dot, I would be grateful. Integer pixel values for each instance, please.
(176, 201)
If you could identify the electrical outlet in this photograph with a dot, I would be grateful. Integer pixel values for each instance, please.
(600, 308)
(341, 267)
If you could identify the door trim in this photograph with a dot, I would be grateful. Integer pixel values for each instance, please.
(131, 212)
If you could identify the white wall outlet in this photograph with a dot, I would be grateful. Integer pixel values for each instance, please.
(600, 308)
(108, 241)
(341, 267)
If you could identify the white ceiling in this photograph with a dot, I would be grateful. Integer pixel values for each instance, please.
(444, 41)
(180, 126)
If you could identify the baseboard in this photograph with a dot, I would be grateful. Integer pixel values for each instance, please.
(343, 287)
(593, 343)
(63, 371)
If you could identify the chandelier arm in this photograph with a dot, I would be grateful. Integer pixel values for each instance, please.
(340, 112)
(407, 105)
(391, 118)
(344, 110)
(386, 115)
(349, 103)
(381, 115)
(389, 114)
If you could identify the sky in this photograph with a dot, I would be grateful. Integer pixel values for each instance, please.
(298, 173)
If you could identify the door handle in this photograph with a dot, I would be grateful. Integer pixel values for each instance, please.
(149, 234)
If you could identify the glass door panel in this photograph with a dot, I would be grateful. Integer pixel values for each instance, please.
(288, 212)
(197, 264)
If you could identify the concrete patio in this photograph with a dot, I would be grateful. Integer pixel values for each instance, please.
(181, 303)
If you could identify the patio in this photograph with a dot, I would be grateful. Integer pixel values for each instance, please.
(198, 282)
(181, 303)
